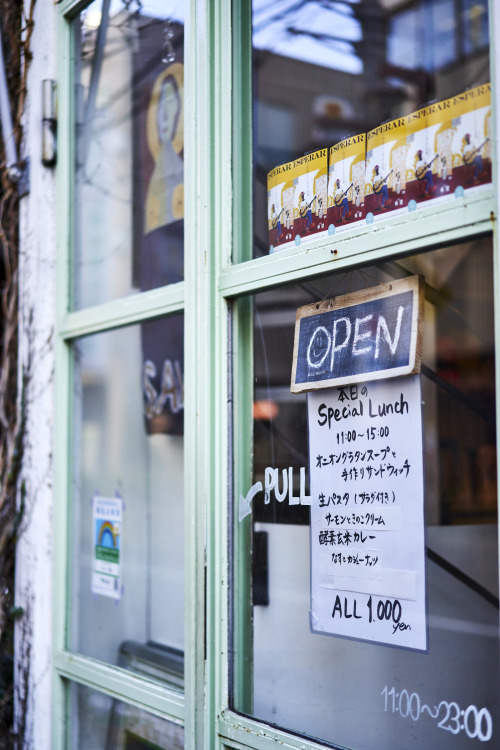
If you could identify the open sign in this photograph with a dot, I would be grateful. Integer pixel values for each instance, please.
(367, 335)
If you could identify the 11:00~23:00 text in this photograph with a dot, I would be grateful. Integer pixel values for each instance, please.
(475, 722)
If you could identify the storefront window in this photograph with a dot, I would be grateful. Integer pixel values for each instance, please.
(129, 152)
(128, 511)
(327, 72)
(307, 77)
(366, 695)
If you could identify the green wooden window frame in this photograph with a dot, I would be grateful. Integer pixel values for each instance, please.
(218, 360)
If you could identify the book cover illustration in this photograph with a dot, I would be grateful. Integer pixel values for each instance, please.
(310, 196)
(471, 140)
(386, 158)
(280, 201)
(431, 155)
(449, 147)
(346, 184)
(423, 162)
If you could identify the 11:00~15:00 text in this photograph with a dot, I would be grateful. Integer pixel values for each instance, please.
(475, 722)
(350, 436)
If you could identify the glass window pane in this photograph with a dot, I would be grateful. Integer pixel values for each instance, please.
(101, 723)
(365, 695)
(128, 548)
(326, 71)
(129, 192)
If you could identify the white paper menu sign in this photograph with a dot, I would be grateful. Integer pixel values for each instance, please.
(367, 512)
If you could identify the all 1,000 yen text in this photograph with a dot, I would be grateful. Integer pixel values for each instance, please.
(389, 610)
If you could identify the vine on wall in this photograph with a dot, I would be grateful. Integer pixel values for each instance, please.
(16, 27)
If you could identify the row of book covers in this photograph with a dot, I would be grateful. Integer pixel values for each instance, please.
(434, 154)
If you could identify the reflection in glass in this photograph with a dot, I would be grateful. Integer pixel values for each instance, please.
(324, 71)
(129, 197)
(475, 25)
(332, 688)
(128, 551)
(101, 723)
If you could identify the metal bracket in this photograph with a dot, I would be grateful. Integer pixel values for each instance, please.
(19, 175)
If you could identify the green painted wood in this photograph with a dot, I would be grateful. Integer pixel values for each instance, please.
(197, 246)
(494, 15)
(242, 632)
(124, 311)
(121, 684)
(70, 8)
(214, 357)
(63, 375)
(242, 731)
(241, 667)
(448, 223)
(242, 131)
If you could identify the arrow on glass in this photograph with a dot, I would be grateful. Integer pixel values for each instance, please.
(245, 509)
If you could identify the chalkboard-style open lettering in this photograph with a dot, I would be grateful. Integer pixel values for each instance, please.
(367, 335)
